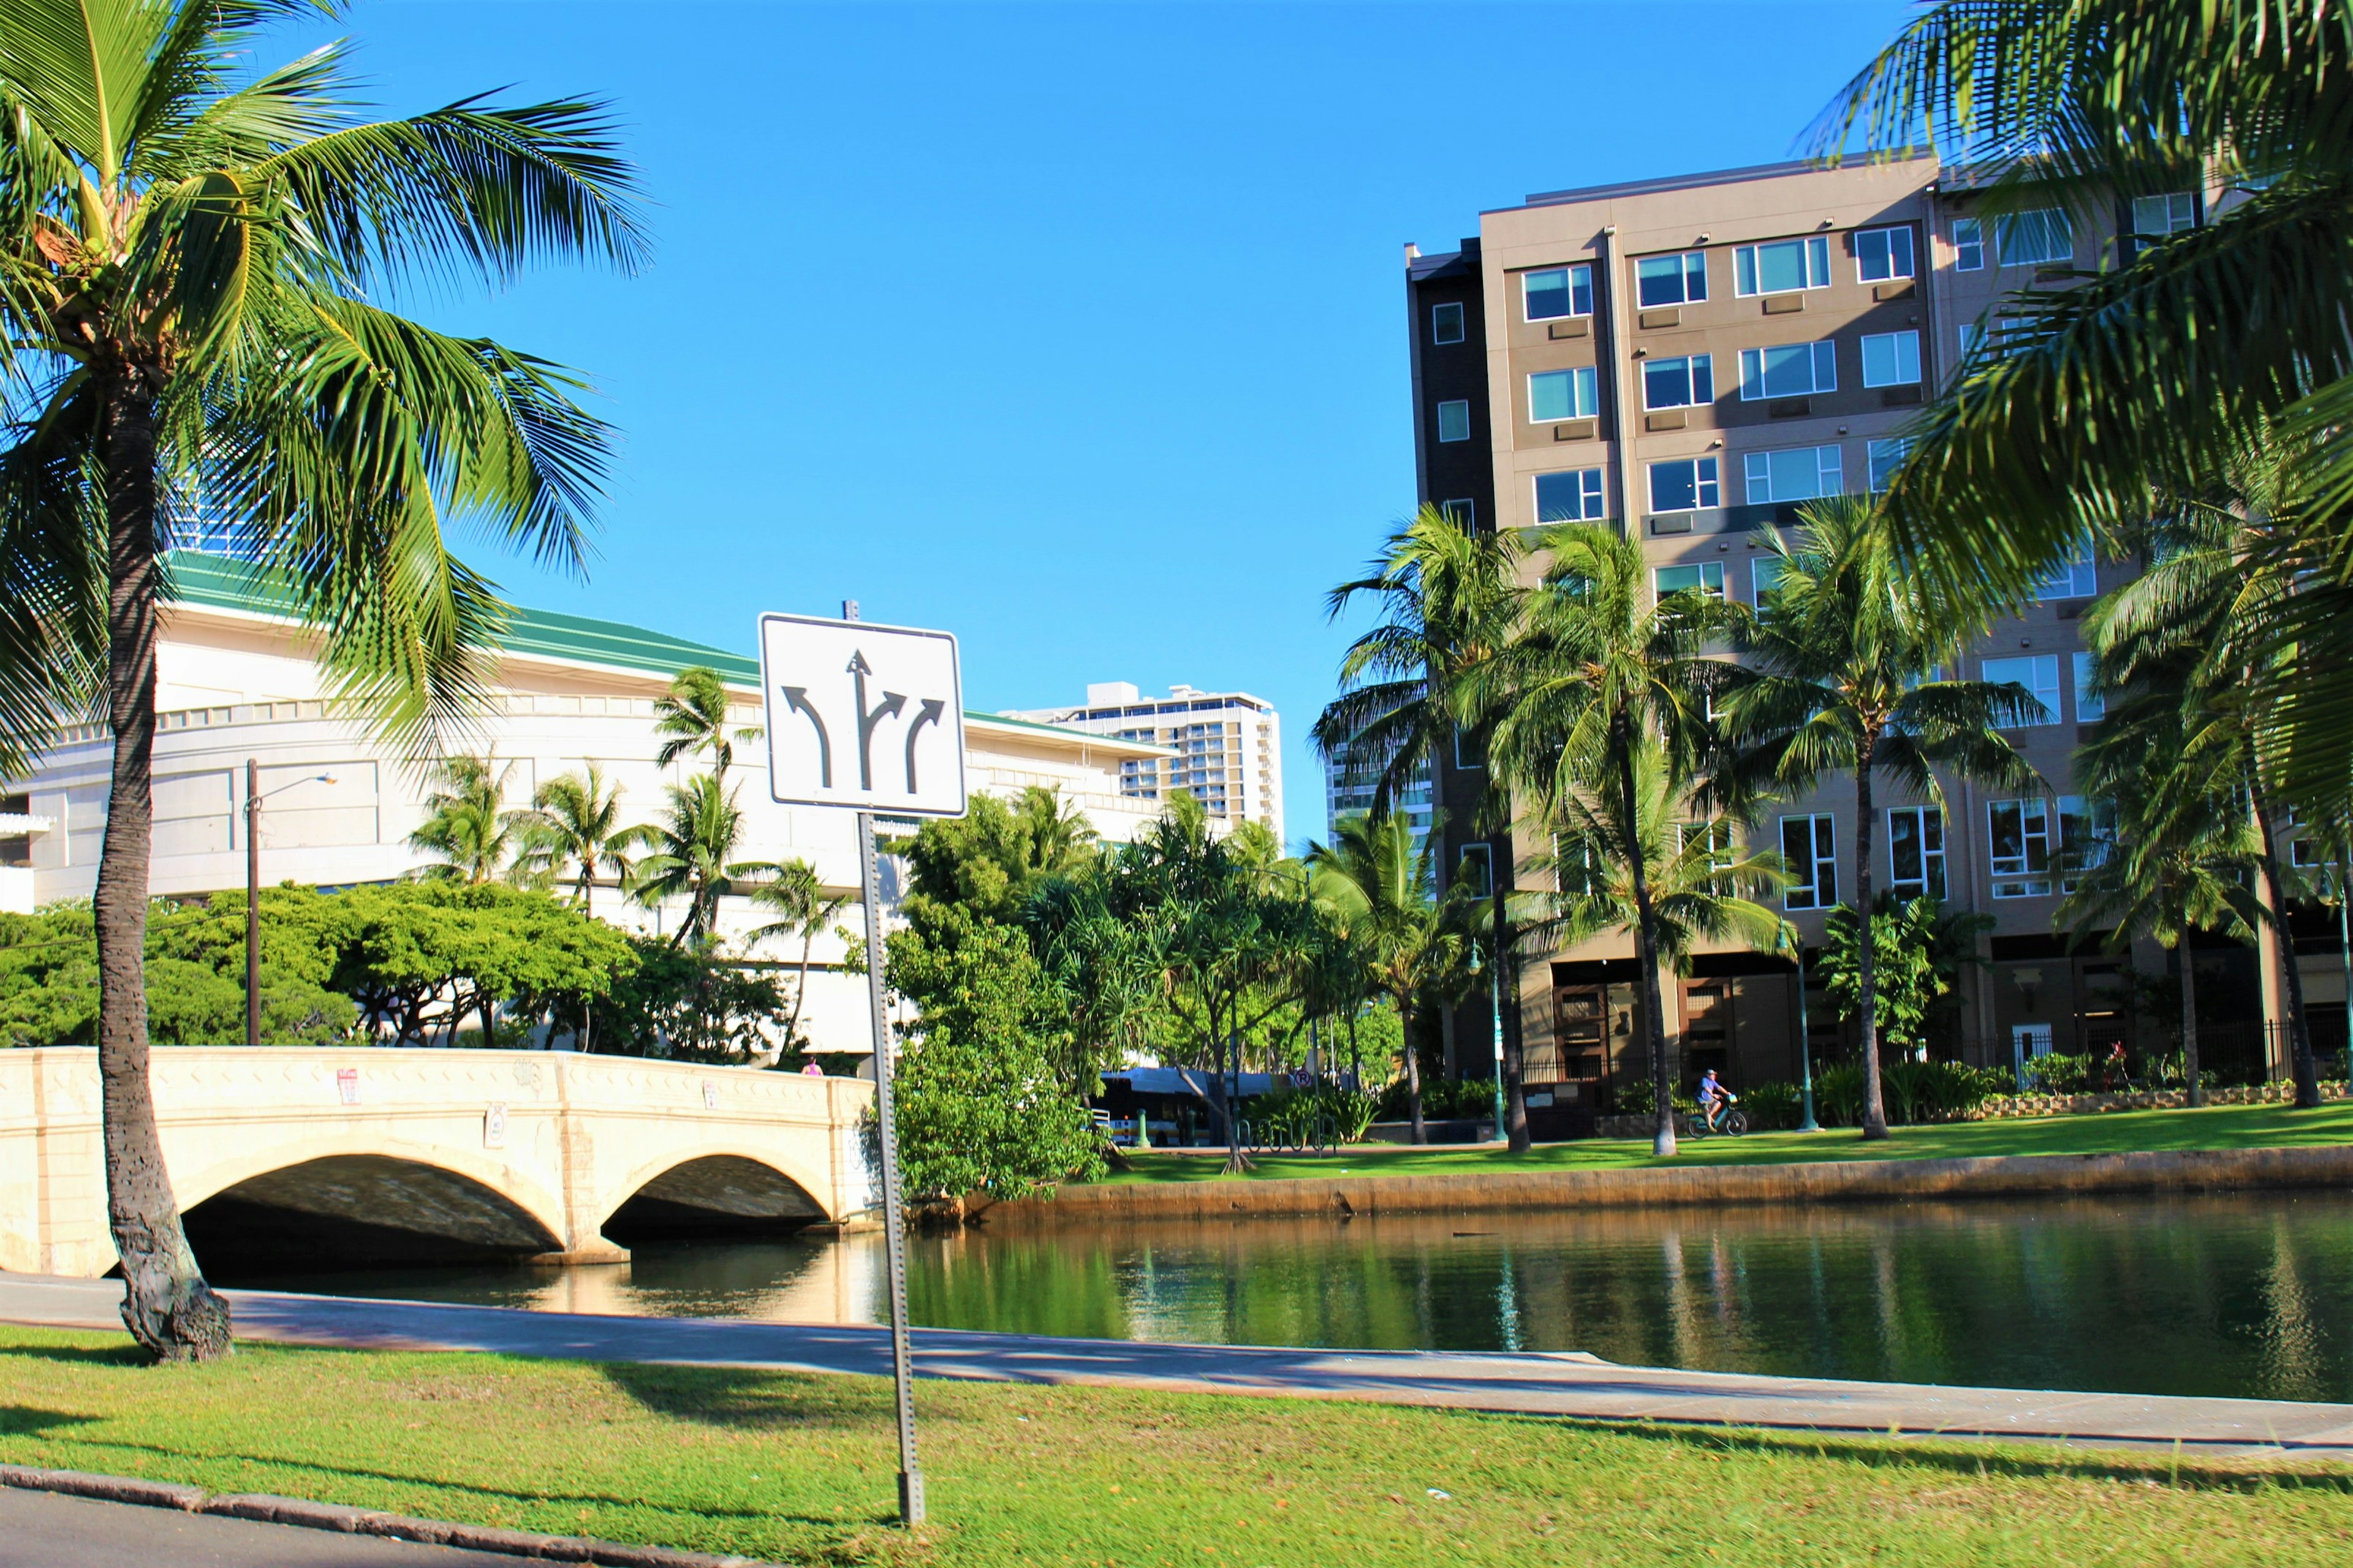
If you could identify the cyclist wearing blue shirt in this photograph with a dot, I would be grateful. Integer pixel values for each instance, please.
(1713, 1098)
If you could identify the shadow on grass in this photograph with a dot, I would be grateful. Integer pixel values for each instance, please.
(30, 1421)
(125, 1354)
(748, 1399)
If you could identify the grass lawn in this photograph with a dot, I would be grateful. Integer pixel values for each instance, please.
(799, 1468)
(2218, 1127)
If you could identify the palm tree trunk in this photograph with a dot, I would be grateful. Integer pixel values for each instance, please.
(166, 1304)
(2189, 1022)
(490, 1022)
(1646, 955)
(800, 990)
(1867, 980)
(1515, 1097)
(1420, 1134)
(2299, 1029)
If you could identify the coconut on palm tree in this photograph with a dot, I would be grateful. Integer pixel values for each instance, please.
(575, 833)
(196, 262)
(1848, 647)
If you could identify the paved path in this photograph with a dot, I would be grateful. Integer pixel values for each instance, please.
(1552, 1385)
(42, 1530)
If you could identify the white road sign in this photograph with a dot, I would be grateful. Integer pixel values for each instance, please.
(863, 716)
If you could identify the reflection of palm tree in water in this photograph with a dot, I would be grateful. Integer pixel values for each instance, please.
(2294, 1340)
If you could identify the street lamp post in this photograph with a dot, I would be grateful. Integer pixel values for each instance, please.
(1805, 1051)
(253, 799)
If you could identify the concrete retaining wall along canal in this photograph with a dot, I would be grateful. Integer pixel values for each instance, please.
(1825, 1180)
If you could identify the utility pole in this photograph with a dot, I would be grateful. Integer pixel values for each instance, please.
(252, 901)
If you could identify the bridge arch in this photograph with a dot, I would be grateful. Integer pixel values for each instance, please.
(711, 1188)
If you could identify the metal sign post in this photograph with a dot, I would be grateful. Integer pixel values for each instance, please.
(818, 680)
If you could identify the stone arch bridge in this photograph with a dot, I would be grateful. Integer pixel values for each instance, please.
(368, 1154)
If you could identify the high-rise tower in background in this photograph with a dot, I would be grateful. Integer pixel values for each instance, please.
(1228, 746)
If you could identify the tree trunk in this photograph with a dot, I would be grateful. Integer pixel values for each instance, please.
(1235, 1160)
(1507, 1019)
(490, 1022)
(2299, 1028)
(1646, 951)
(2189, 1022)
(800, 989)
(1412, 1068)
(1866, 982)
(166, 1305)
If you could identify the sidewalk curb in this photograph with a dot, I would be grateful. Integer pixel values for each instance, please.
(334, 1517)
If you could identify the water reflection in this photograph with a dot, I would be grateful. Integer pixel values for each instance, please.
(2244, 1296)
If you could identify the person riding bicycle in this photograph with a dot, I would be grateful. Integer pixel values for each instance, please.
(1713, 1100)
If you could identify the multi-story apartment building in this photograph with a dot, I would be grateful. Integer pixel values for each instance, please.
(1349, 788)
(1691, 358)
(1227, 746)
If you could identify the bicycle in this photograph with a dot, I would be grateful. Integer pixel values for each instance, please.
(1731, 1122)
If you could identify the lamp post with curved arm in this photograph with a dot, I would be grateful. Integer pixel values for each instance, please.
(253, 799)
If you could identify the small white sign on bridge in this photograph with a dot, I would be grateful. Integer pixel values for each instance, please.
(863, 716)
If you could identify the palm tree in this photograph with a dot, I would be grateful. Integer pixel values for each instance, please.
(575, 825)
(193, 266)
(1847, 646)
(790, 890)
(1624, 857)
(692, 714)
(1417, 948)
(2102, 390)
(693, 856)
(469, 828)
(1600, 675)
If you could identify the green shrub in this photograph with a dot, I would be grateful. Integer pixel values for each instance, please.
(1838, 1095)
(1442, 1100)
(1772, 1107)
(2059, 1073)
(1290, 1115)
(1639, 1099)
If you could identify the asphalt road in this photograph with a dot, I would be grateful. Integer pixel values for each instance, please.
(43, 1529)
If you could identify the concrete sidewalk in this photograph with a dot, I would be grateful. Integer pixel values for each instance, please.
(1546, 1385)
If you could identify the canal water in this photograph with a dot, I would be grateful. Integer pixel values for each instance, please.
(2246, 1296)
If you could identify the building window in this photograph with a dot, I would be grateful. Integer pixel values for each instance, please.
(2017, 842)
(1558, 292)
(1671, 279)
(1764, 576)
(1464, 514)
(1916, 852)
(1968, 245)
(1571, 497)
(1686, 485)
(1891, 359)
(17, 848)
(1789, 370)
(2039, 673)
(1678, 383)
(2074, 578)
(1800, 473)
(1561, 394)
(1712, 839)
(2041, 238)
(2156, 217)
(1446, 322)
(1704, 578)
(2091, 706)
(1880, 254)
(2087, 830)
(1468, 755)
(1477, 871)
(1810, 854)
(1782, 267)
(1454, 420)
(1883, 458)
(1971, 334)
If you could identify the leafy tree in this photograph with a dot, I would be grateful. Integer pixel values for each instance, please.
(1597, 706)
(979, 1106)
(988, 860)
(691, 717)
(2094, 394)
(1847, 644)
(575, 833)
(680, 1003)
(1917, 952)
(692, 856)
(418, 955)
(790, 890)
(469, 826)
(1104, 967)
(1417, 948)
(194, 266)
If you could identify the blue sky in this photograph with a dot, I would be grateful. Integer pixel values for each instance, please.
(1076, 329)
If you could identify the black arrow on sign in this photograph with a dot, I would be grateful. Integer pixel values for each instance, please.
(888, 708)
(930, 714)
(796, 697)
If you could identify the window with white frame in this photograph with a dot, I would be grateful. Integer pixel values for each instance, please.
(1764, 576)
(1469, 755)
(1685, 383)
(1561, 394)
(2091, 705)
(1687, 484)
(1783, 267)
(1968, 245)
(1891, 359)
(1880, 254)
(1670, 279)
(1575, 496)
(2017, 844)
(1810, 855)
(2038, 673)
(1883, 458)
(1558, 291)
(2087, 833)
(1704, 578)
(1971, 334)
(2156, 217)
(1454, 420)
(2074, 578)
(1477, 871)
(1446, 322)
(1794, 473)
(1916, 852)
(1789, 370)
(2042, 236)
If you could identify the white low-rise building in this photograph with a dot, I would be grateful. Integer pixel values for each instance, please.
(237, 680)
